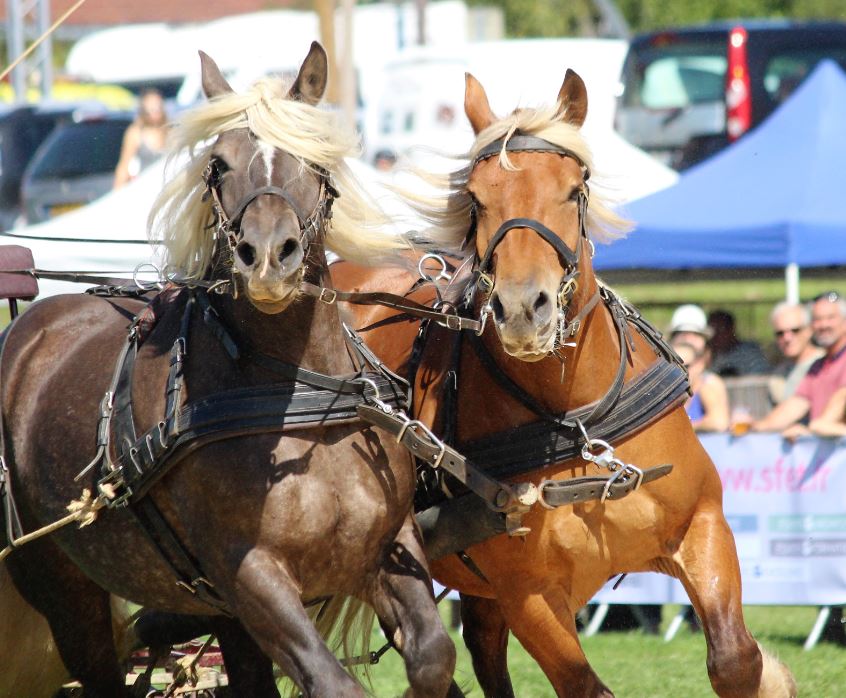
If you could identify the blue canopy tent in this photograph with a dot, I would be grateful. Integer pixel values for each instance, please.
(776, 198)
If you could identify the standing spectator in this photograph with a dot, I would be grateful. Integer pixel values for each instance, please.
(791, 324)
(689, 324)
(144, 140)
(708, 405)
(824, 377)
(729, 355)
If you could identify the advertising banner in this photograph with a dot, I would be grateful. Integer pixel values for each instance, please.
(786, 505)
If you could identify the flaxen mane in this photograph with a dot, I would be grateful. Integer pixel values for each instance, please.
(448, 213)
(181, 219)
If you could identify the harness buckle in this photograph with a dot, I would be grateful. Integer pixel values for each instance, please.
(484, 283)
(114, 489)
(415, 424)
(611, 480)
(328, 295)
(453, 322)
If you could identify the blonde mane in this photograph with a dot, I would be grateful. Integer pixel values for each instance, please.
(180, 219)
(448, 211)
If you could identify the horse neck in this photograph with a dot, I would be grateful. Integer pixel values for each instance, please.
(307, 334)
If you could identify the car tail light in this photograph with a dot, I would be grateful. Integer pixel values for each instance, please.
(738, 97)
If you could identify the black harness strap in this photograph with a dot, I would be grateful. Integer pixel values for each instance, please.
(570, 257)
(662, 387)
(527, 143)
(148, 516)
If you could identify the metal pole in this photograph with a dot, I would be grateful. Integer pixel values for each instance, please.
(421, 22)
(15, 47)
(45, 50)
(791, 282)
(347, 67)
(400, 25)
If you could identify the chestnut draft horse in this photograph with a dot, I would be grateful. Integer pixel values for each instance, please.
(558, 346)
(203, 505)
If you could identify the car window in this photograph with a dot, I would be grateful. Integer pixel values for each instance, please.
(676, 75)
(76, 150)
(786, 69)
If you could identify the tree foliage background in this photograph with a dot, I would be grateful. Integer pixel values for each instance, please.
(528, 18)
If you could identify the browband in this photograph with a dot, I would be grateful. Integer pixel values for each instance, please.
(521, 142)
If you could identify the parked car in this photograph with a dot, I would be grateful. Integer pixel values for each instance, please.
(689, 92)
(74, 166)
(22, 130)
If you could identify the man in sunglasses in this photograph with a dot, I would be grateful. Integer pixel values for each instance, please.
(824, 377)
(791, 324)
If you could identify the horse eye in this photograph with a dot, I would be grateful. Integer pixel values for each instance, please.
(575, 195)
(477, 205)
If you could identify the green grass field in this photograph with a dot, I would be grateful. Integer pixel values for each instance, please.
(636, 665)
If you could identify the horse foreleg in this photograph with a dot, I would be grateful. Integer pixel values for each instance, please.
(486, 636)
(79, 615)
(546, 627)
(709, 571)
(268, 604)
(402, 598)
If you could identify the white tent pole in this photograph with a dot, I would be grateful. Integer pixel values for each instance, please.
(791, 282)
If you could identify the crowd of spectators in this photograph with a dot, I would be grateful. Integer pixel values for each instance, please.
(807, 385)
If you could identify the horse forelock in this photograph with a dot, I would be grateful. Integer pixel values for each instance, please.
(181, 219)
(450, 212)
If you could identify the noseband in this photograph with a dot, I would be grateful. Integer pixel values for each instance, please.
(230, 226)
(569, 258)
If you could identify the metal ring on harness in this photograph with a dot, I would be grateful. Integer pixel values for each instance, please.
(148, 285)
(442, 274)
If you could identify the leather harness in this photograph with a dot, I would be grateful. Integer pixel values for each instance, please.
(130, 464)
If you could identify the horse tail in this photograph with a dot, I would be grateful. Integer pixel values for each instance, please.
(346, 624)
(776, 679)
(32, 666)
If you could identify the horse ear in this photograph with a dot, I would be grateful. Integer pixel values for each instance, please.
(476, 104)
(572, 99)
(311, 80)
(214, 84)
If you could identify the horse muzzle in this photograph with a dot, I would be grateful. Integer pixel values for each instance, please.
(526, 321)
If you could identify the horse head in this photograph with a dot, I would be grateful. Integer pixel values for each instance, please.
(270, 203)
(256, 196)
(528, 187)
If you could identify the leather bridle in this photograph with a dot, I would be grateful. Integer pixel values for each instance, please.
(229, 226)
(569, 258)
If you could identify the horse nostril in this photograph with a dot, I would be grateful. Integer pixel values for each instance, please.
(289, 248)
(541, 301)
(498, 310)
(247, 253)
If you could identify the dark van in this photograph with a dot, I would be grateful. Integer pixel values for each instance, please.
(689, 92)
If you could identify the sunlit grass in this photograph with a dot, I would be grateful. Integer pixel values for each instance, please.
(636, 665)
